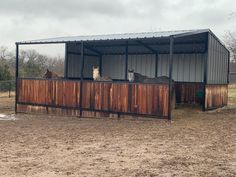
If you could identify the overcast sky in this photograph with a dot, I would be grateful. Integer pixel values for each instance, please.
(36, 19)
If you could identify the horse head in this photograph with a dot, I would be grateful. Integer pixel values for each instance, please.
(131, 75)
(47, 74)
(96, 73)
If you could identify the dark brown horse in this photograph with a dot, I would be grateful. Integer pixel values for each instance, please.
(50, 75)
(136, 77)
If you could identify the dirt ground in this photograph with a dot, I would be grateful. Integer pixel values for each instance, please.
(7, 103)
(193, 144)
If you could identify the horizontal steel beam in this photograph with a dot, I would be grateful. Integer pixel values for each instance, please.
(146, 53)
(92, 49)
(159, 116)
(150, 44)
(114, 81)
(38, 43)
(107, 45)
(85, 54)
(147, 46)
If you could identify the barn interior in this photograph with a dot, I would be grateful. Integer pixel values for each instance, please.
(147, 56)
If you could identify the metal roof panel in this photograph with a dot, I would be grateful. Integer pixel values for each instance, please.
(144, 35)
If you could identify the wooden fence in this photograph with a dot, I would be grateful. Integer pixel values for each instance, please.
(111, 97)
(189, 93)
(216, 96)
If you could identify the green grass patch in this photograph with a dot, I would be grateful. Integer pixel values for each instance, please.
(232, 92)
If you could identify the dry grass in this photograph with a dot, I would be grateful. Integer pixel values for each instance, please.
(232, 95)
(232, 86)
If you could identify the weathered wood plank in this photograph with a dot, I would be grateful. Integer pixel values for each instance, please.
(216, 96)
(187, 92)
(147, 99)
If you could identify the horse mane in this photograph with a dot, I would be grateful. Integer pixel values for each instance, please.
(137, 77)
(50, 74)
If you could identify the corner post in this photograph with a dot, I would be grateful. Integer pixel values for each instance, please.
(81, 77)
(205, 73)
(16, 76)
(228, 76)
(66, 61)
(100, 64)
(126, 59)
(156, 65)
(170, 76)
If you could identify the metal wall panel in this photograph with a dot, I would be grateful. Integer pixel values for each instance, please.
(186, 67)
(217, 70)
(89, 63)
(74, 62)
(143, 64)
(74, 65)
(113, 66)
(73, 47)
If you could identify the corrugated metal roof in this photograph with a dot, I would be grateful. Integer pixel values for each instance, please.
(144, 35)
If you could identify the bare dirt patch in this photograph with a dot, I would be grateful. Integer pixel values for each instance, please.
(194, 144)
(7, 105)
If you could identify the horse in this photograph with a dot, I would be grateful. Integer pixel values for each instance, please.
(98, 77)
(50, 75)
(139, 78)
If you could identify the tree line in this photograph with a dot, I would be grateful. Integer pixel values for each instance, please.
(230, 41)
(31, 64)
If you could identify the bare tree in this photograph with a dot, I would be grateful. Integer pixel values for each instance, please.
(5, 54)
(31, 63)
(230, 40)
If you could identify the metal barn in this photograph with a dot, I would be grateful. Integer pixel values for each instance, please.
(196, 60)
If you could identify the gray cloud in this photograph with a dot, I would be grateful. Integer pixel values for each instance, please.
(62, 8)
(32, 19)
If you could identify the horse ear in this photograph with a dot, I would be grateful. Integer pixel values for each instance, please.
(131, 70)
(47, 70)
